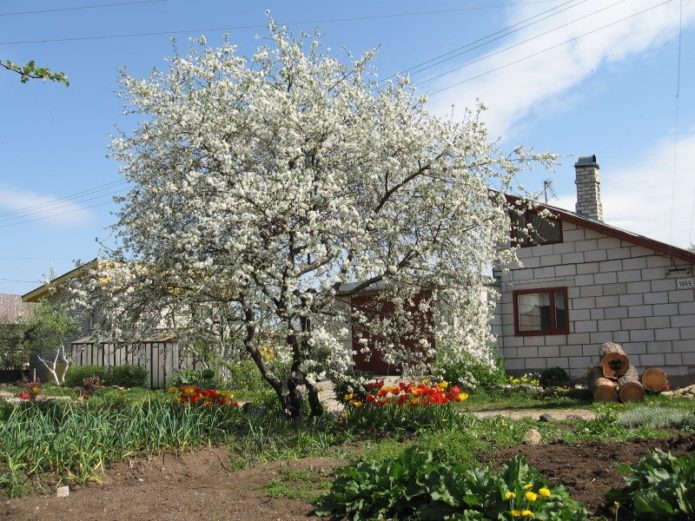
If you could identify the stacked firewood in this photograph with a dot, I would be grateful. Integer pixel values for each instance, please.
(615, 379)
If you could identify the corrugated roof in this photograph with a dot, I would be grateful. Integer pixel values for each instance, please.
(12, 308)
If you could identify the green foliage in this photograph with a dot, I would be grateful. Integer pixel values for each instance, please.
(401, 418)
(245, 376)
(13, 355)
(422, 485)
(30, 71)
(470, 373)
(126, 376)
(658, 418)
(554, 377)
(78, 440)
(304, 485)
(659, 486)
(203, 378)
(77, 374)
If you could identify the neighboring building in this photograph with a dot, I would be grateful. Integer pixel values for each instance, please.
(583, 282)
(159, 356)
(12, 309)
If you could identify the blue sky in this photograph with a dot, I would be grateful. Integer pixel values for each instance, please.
(574, 77)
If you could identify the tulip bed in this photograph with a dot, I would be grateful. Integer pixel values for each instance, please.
(204, 397)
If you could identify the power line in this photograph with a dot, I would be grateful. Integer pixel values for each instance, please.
(489, 38)
(83, 7)
(70, 198)
(263, 26)
(518, 44)
(467, 80)
(54, 215)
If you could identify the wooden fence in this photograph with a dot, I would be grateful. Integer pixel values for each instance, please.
(160, 359)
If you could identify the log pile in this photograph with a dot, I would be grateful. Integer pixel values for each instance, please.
(615, 379)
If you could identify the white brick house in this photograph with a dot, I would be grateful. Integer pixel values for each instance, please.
(584, 282)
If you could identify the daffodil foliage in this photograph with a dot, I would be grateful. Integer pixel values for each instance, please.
(269, 190)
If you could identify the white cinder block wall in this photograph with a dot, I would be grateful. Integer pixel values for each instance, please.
(617, 292)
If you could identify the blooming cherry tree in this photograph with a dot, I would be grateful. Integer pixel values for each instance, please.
(269, 190)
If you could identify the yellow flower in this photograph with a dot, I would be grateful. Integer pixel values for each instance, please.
(35, 390)
(527, 513)
(173, 390)
(356, 404)
(347, 397)
(463, 397)
(528, 486)
(516, 513)
(443, 384)
(531, 496)
(509, 495)
(415, 401)
(544, 492)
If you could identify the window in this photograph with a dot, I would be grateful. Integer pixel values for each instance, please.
(544, 230)
(541, 312)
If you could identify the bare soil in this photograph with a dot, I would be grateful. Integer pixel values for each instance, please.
(195, 485)
(588, 469)
(199, 485)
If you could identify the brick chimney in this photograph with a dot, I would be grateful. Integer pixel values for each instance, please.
(588, 188)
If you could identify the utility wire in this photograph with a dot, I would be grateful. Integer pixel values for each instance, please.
(529, 56)
(71, 198)
(54, 215)
(484, 40)
(83, 7)
(518, 44)
(263, 26)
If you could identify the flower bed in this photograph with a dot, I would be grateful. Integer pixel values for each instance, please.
(378, 394)
(204, 397)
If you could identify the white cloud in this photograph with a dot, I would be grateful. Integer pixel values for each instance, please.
(21, 205)
(513, 92)
(639, 195)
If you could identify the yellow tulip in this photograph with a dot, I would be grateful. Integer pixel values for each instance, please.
(544, 492)
(531, 496)
(527, 513)
(509, 495)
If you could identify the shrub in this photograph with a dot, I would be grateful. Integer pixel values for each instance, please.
(245, 376)
(659, 486)
(204, 378)
(554, 377)
(470, 373)
(78, 373)
(421, 485)
(127, 376)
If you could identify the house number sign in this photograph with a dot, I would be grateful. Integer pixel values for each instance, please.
(685, 283)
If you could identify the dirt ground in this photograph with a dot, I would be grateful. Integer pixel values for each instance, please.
(198, 485)
(588, 469)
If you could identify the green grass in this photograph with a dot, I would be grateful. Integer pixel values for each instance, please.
(305, 485)
(495, 399)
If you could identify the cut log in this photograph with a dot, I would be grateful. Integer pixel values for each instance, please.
(602, 389)
(655, 380)
(629, 387)
(614, 361)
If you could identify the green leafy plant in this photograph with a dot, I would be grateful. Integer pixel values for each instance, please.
(127, 376)
(554, 377)
(204, 378)
(77, 374)
(245, 376)
(658, 418)
(421, 485)
(659, 486)
(471, 373)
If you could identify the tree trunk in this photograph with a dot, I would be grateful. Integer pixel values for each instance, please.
(602, 389)
(629, 387)
(614, 361)
(655, 380)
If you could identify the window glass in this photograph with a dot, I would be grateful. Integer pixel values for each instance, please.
(534, 311)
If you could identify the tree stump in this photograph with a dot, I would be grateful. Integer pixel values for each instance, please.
(601, 388)
(629, 387)
(614, 361)
(655, 380)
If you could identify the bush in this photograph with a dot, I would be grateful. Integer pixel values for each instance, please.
(245, 376)
(659, 486)
(420, 484)
(554, 377)
(126, 376)
(658, 418)
(76, 374)
(204, 378)
(470, 373)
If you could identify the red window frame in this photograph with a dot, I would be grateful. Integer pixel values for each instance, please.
(554, 330)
